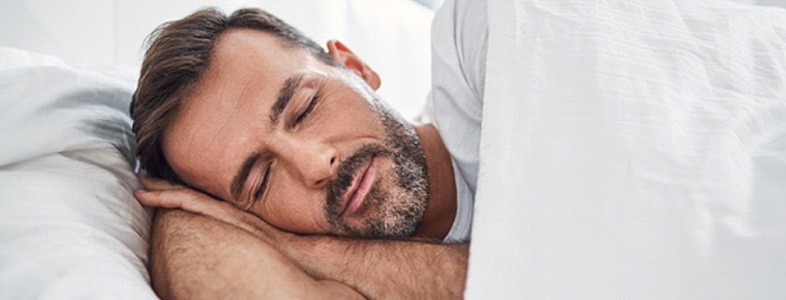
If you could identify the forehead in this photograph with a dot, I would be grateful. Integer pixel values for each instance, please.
(217, 125)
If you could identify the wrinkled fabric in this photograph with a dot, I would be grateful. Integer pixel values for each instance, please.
(70, 227)
(631, 149)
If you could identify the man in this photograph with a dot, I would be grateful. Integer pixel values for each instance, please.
(247, 110)
(617, 156)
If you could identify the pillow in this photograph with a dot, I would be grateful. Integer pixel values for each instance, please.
(69, 225)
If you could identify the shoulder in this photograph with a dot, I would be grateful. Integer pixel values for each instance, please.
(459, 41)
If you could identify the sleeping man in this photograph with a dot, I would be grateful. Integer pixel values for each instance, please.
(322, 188)
(627, 148)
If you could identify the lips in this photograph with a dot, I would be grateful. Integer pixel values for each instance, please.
(361, 185)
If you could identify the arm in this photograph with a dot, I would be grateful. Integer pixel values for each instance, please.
(194, 256)
(384, 268)
(376, 268)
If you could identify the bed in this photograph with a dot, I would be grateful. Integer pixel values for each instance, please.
(589, 200)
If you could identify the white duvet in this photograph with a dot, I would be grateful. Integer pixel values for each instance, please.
(632, 149)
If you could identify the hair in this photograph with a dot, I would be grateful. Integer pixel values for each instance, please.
(178, 54)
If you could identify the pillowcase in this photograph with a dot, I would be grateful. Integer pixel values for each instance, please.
(69, 224)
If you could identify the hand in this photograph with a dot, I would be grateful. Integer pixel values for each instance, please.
(186, 248)
(164, 194)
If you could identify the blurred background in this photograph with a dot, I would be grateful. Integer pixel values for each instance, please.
(392, 36)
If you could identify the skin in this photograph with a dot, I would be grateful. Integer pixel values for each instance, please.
(283, 246)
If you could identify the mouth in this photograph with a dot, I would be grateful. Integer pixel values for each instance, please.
(361, 185)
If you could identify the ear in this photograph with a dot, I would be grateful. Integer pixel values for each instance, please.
(344, 56)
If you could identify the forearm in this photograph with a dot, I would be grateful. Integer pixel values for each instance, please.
(194, 256)
(220, 257)
(385, 269)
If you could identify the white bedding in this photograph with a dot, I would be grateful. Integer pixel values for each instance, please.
(632, 149)
(69, 226)
(644, 154)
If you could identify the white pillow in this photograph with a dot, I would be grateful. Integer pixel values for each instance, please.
(69, 225)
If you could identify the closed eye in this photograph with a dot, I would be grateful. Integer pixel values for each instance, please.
(262, 185)
(307, 111)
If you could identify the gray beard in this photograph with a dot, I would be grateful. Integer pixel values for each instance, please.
(397, 214)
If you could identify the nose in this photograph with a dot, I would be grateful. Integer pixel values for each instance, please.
(314, 162)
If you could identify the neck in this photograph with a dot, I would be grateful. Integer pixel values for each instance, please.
(441, 211)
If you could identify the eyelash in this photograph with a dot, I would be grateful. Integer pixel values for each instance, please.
(262, 185)
(308, 110)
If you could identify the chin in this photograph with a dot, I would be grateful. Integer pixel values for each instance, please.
(392, 214)
(396, 204)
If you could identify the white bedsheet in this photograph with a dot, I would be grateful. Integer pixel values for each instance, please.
(632, 149)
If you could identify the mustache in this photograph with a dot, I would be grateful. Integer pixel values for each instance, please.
(345, 174)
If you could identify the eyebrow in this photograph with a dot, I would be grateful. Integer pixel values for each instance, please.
(242, 175)
(284, 95)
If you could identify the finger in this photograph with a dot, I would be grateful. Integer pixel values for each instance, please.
(190, 203)
(154, 198)
(152, 183)
(198, 203)
(180, 198)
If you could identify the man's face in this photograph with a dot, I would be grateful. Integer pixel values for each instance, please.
(305, 146)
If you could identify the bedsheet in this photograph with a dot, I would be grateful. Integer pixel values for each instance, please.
(632, 149)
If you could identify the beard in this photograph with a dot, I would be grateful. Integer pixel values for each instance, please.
(392, 213)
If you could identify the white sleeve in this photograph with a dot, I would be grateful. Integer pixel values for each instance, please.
(459, 39)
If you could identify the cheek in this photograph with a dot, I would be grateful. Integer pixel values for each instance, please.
(294, 209)
(351, 116)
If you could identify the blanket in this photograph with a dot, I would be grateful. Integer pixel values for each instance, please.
(632, 149)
